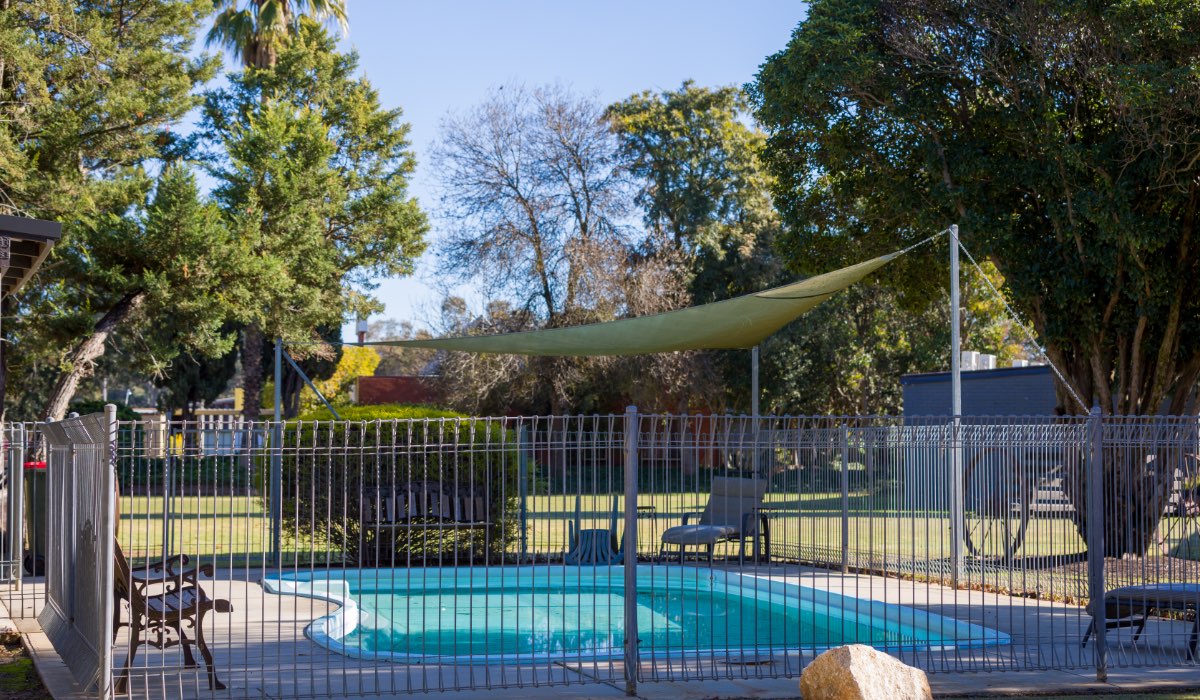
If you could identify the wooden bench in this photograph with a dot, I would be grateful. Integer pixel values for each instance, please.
(431, 505)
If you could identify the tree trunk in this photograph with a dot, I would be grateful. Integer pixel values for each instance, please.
(252, 372)
(85, 354)
(1138, 481)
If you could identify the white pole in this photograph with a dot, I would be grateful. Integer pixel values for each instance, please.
(957, 501)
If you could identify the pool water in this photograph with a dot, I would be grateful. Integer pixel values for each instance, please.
(464, 615)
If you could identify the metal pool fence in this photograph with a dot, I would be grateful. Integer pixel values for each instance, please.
(355, 558)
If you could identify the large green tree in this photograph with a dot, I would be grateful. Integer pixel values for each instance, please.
(167, 262)
(88, 95)
(1063, 137)
(312, 173)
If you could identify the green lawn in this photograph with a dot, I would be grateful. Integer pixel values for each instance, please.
(235, 529)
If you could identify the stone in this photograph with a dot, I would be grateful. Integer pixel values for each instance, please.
(859, 672)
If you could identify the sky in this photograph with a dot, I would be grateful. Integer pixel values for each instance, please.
(433, 58)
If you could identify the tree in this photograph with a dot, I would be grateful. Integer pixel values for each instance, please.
(701, 183)
(194, 379)
(1059, 135)
(170, 262)
(355, 362)
(258, 30)
(533, 195)
(312, 174)
(88, 93)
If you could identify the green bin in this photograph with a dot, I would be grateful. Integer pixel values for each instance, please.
(37, 517)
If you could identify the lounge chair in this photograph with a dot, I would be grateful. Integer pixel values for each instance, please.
(731, 514)
(153, 615)
(1123, 606)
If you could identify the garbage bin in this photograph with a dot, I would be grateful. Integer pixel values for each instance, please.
(37, 517)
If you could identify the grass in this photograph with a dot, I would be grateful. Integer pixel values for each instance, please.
(18, 678)
(234, 530)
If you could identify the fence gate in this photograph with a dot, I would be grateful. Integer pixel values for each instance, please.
(77, 616)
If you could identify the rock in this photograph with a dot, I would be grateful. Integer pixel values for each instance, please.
(858, 672)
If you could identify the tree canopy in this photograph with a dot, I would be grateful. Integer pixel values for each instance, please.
(1062, 137)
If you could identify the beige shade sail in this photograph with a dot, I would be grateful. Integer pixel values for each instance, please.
(738, 323)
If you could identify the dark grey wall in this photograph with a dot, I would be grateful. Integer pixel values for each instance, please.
(1026, 391)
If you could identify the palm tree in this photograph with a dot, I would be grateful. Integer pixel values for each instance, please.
(257, 29)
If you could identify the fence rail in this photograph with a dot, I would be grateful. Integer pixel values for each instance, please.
(352, 558)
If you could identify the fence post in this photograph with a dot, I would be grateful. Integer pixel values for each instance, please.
(630, 546)
(108, 537)
(1095, 540)
(16, 484)
(523, 487)
(277, 462)
(845, 440)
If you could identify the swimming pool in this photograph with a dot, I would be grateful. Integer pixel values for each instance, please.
(482, 614)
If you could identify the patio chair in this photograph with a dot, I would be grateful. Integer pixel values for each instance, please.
(1123, 607)
(153, 614)
(731, 514)
(593, 546)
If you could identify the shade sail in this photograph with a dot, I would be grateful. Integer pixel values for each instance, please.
(738, 323)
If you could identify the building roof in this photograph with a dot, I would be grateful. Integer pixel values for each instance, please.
(30, 241)
(935, 377)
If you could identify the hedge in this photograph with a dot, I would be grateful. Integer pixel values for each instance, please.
(333, 470)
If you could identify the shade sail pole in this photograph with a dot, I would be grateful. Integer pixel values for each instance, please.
(754, 403)
(957, 500)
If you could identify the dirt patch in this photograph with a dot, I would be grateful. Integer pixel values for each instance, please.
(18, 678)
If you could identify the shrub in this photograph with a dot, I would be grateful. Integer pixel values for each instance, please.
(333, 472)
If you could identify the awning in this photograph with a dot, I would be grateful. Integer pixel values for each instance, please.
(29, 242)
(738, 323)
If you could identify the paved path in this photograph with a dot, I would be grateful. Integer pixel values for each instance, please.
(262, 652)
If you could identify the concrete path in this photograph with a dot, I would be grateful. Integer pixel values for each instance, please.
(261, 652)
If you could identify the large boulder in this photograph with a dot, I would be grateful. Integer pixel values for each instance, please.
(858, 672)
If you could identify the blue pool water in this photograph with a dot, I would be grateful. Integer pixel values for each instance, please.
(477, 614)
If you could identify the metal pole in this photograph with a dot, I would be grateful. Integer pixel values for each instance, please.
(845, 499)
(630, 557)
(277, 460)
(523, 486)
(16, 482)
(1095, 540)
(108, 537)
(308, 382)
(957, 500)
(754, 381)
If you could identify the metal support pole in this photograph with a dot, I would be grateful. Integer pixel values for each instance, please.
(16, 482)
(957, 500)
(166, 526)
(108, 535)
(1095, 540)
(630, 558)
(523, 487)
(277, 460)
(308, 382)
(845, 440)
(754, 404)
(754, 381)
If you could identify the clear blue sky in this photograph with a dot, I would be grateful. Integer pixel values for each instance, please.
(430, 58)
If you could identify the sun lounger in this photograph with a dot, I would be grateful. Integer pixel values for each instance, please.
(731, 514)
(1131, 605)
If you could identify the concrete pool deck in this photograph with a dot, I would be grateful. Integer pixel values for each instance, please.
(274, 659)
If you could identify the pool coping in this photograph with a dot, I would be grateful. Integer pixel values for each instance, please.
(329, 630)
